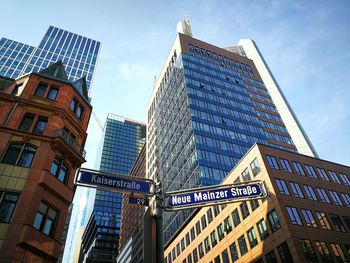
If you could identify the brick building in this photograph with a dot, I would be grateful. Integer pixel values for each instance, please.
(44, 118)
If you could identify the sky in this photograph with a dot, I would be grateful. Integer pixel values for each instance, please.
(305, 43)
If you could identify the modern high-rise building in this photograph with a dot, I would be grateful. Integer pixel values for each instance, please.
(79, 55)
(43, 119)
(305, 218)
(207, 108)
(123, 140)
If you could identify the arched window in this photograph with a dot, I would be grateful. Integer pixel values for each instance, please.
(19, 154)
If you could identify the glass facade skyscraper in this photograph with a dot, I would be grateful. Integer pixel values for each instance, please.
(122, 143)
(79, 55)
(208, 107)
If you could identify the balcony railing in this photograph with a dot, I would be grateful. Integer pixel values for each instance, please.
(65, 136)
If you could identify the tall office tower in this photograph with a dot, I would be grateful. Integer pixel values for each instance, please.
(208, 107)
(79, 55)
(123, 140)
(43, 119)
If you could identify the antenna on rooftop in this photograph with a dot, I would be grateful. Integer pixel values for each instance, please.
(184, 27)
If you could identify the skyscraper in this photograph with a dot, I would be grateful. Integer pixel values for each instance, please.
(79, 55)
(122, 142)
(208, 107)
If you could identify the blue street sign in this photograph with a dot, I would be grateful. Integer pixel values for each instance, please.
(138, 200)
(217, 194)
(114, 182)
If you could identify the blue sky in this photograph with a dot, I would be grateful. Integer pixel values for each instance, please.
(305, 43)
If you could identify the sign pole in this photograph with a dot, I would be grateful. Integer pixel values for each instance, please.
(159, 210)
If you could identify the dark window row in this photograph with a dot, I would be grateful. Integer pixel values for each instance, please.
(308, 191)
(329, 176)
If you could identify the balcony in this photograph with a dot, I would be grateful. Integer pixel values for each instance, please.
(64, 135)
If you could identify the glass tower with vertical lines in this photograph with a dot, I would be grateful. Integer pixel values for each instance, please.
(122, 143)
(78, 53)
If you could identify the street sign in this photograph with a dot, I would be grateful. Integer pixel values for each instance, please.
(198, 197)
(138, 200)
(113, 182)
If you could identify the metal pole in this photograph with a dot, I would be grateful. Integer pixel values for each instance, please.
(159, 224)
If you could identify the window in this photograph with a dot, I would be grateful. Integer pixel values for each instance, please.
(255, 166)
(182, 244)
(45, 219)
(309, 252)
(195, 255)
(188, 241)
(79, 112)
(214, 241)
(198, 228)
(193, 234)
(40, 90)
(204, 221)
(235, 218)
(8, 201)
(323, 220)
(262, 229)
(210, 215)
(200, 250)
(242, 245)
(334, 177)
(227, 225)
(216, 209)
(59, 170)
(19, 154)
(27, 122)
(323, 174)
(246, 175)
(339, 253)
(337, 223)
(254, 204)
(296, 189)
(233, 252)
(345, 179)
(336, 199)
(76, 108)
(298, 168)
(282, 187)
(244, 209)
(189, 258)
(225, 258)
(207, 244)
(309, 218)
(272, 162)
(73, 105)
(311, 171)
(217, 259)
(310, 192)
(271, 257)
(178, 249)
(284, 252)
(53, 93)
(40, 125)
(285, 165)
(346, 199)
(323, 195)
(274, 220)
(323, 251)
(294, 216)
(253, 241)
(221, 232)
